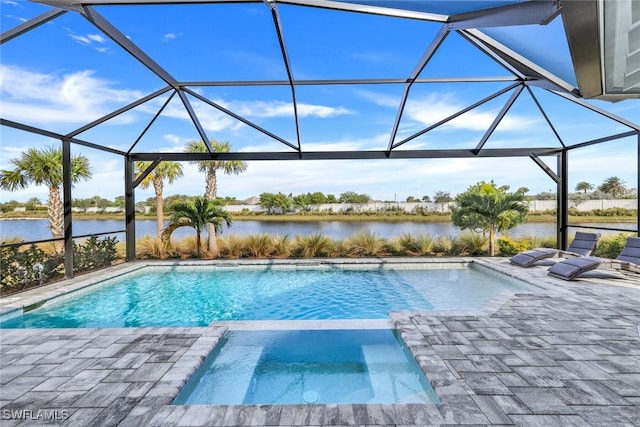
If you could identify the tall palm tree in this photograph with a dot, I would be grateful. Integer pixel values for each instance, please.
(489, 208)
(199, 214)
(211, 168)
(170, 171)
(44, 167)
(613, 185)
(584, 186)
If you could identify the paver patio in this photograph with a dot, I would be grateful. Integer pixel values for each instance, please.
(568, 354)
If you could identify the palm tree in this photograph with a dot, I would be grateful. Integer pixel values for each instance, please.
(199, 214)
(613, 185)
(584, 186)
(490, 209)
(44, 167)
(170, 171)
(211, 167)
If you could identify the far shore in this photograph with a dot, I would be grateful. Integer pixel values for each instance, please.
(382, 217)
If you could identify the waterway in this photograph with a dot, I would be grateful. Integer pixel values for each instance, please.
(38, 229)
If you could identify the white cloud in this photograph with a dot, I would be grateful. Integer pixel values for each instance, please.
(93, 40)
(430, 109)
(270, 109)
(434, 108)
(170, 36)
(77, 97)
(96, 38)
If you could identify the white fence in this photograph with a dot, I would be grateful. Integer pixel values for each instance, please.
(535, 205)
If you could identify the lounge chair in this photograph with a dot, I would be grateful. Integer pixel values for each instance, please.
(629, 259)
(582, 245)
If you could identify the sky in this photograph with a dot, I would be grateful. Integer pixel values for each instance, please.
(67, 73)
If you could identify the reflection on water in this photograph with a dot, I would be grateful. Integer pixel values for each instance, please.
(39, 229)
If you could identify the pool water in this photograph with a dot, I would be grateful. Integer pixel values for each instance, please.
(197, 296)
(308, 366)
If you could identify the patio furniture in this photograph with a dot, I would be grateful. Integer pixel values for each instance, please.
(582, 245)
(629, 259)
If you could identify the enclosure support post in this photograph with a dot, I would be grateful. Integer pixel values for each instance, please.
(638, 186)
(562, 200)
(66, 203)
(130, 209)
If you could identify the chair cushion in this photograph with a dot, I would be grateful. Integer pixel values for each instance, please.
(631, 251)
(572, 267)
(527, 258)
(583, 243)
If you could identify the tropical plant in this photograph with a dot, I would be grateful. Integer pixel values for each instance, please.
(259, 245)
(473, 243)
(198, 214)
(410, 244)
(613, 185)
(406, 244)
(446, 245)
(367, 243)
(282, 245)
(490, 209)
(211, 168)
(44, 167)
(150, 247)
(231, 246)
(169, 171)
(313, 245)
(584, 186)
(186, 247)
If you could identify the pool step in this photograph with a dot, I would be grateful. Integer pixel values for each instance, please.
(390, 378)
(215, 387)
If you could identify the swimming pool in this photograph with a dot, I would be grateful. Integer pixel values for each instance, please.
(308, 366)
(198, 295)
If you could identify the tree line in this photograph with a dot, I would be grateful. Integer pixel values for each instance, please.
(44, 167)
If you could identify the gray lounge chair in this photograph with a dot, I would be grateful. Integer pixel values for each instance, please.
(582, 245)
(629, 259)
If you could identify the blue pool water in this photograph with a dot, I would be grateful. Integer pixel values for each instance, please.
(320, 366)
(197, 296)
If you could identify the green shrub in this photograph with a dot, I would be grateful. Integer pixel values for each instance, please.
(94, 253)
(312, 245)
(282, 246)
(26, 267)
(148, 247)
(611, 246)
(366, 243)
(231, 246)
(406, 244)
(473, 243)
(447, 245)
(258, 245)
(508, 246)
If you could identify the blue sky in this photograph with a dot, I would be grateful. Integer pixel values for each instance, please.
(67, 73)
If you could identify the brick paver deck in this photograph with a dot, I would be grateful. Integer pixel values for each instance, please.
(567, 355)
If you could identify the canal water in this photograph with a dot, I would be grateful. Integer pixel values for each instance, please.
(38, 229)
